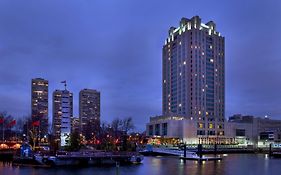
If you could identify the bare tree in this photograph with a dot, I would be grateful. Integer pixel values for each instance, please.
(127, 124)
(124, 125)
(104, 127)
(116, 124)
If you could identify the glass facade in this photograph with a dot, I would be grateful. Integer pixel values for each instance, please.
(193, 74)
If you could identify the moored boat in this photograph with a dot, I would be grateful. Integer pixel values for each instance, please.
(83, 159)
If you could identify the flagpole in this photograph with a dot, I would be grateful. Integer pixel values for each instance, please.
(3, 131)
(27, 128)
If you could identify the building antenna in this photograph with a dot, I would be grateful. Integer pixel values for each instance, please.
(64, 82)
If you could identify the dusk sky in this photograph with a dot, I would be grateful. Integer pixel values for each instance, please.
(115, 46)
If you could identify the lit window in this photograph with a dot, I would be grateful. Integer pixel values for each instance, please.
(180, 105)
(211, 125)
(203, 53)
(164, 81)
(184, 62)
(219, 126)
(180, 73)
(211, 60)
(199, 112)
(180, 43)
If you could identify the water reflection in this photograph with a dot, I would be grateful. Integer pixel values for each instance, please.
(233, 164)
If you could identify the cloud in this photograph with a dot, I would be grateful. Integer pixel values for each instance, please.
(115, 47)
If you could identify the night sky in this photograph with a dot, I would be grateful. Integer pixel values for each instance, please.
(115, 46)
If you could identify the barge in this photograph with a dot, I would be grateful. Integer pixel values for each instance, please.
(79, 159)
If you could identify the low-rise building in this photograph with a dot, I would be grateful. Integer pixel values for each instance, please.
(187, 131)
(262, 131)
(239, 130)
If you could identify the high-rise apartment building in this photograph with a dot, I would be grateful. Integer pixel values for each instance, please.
(62, 114)
(89, 112)
(39, 105)
(194, 75)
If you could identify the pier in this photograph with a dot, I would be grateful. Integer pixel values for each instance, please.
(81, 159)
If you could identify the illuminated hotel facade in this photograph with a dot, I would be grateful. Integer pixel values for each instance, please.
(193, 81)
(193, 75)
(39, 105)
(193, 106)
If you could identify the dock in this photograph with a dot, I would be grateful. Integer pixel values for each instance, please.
(79, 159)
(276, 154)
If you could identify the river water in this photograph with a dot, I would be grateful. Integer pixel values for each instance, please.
(232, 164)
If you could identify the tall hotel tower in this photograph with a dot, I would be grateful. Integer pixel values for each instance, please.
(194, 75)
(89, 112)
(62, 114)
(39, 104)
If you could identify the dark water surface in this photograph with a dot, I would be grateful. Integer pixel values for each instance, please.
(232, 164)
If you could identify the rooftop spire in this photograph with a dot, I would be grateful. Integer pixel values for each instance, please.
(64, 82)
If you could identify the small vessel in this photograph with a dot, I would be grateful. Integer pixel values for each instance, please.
(194, 156)
(28, 161)
(55, 160)
(136, 159)
(276, 154)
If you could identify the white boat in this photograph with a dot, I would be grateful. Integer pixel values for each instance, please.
(194, 156)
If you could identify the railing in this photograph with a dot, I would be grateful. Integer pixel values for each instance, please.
(98, 154)
(168, 151)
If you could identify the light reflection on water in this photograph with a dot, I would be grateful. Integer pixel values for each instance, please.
(232, 164)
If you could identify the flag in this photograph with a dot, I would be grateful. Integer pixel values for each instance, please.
(1, 120)
(63, 81)
(36, 123)
(12, 123)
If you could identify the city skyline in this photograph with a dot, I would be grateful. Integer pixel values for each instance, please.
(129, 78)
